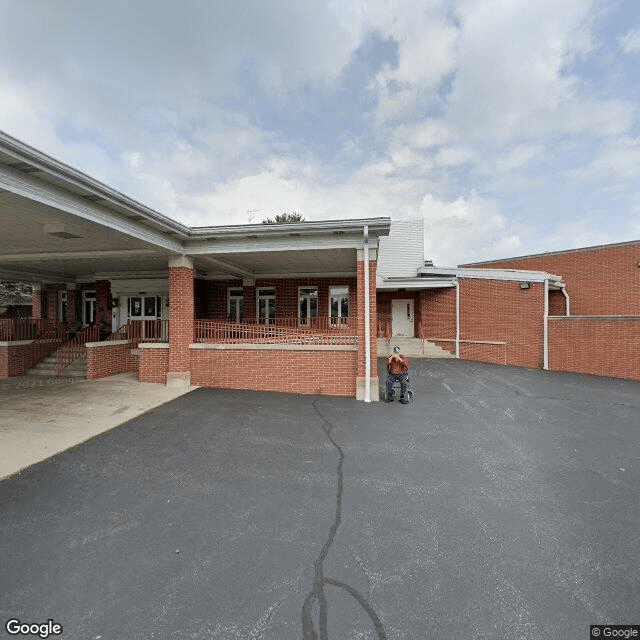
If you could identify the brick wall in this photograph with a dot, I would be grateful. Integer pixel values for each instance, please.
(302, 370)
(109, 359)
(211, 296)
(438, 315)
(16, 358)
(154, 363)
(500, 311)
(601, 281)
(599, 346)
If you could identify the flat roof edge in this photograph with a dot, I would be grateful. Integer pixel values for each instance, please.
(553, 253)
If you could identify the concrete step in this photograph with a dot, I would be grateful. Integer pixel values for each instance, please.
(412, 348)
(47, 367)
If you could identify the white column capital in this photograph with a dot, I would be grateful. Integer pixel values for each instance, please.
(181, 261)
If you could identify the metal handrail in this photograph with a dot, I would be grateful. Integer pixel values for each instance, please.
(137, 331)
(16, 329)
(276, 330)
(75, 347)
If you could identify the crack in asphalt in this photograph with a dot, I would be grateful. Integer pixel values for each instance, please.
(317, 592)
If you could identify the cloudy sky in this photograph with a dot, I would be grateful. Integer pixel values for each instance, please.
(509, 126)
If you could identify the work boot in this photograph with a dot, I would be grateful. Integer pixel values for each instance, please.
(403, 400)
(388, 398)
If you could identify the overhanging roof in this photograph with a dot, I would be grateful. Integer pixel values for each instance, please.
(59, 224)
(438, 277)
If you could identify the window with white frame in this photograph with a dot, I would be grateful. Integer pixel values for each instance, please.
(88, 307)
(63, 311)
(235, 303)
(338, 304)
(266, 303)
(307, 304)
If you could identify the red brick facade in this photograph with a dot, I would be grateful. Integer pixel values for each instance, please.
(603, 284)
(499, 322)
(154, 363)
(438, 315)
(109, 359)
(300, 370)
(211, 295)
(599, 346)
(500, 311)
(50, 296)
(601, 281)
(16, 358)
(181, 308)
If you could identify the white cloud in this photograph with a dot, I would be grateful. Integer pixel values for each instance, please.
(630, 41)
(512, 60)
(465, 230)
(206, 110)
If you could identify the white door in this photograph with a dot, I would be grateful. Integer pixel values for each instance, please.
(402, 318)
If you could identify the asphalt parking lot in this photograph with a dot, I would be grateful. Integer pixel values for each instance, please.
(501, 503)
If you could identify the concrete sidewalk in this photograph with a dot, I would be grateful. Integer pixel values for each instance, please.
(42, 417)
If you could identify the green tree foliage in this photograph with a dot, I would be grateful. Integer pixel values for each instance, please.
(284, 218)
(13, 293)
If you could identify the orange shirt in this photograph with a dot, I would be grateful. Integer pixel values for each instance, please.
(398, 363)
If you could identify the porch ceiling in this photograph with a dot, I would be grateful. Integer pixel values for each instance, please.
(58, 224)
(274, 264)
(40, 242)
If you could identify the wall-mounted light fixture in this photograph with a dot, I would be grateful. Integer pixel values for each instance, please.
(524, 285)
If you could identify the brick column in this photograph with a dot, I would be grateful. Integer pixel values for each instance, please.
(36, 300)
(74, 304)
(249, 288)
(373, 324)
(181, 325)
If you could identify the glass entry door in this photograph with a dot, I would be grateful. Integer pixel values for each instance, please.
(145, 308)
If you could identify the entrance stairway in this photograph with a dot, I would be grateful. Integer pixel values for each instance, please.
(47, 367)
(412, 348)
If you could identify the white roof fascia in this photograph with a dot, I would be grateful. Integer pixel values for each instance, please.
(516, 275)
(289, 275)
(37, 190)
(301, 236)
(416, 283)
(49, 166)
(377, 227)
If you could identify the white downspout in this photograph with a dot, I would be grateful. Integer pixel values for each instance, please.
(457, 318)
(545, 326)
(566, 299)
(367, 321)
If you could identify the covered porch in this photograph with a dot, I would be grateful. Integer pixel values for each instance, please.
(230, 306)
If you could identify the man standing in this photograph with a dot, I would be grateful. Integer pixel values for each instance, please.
(398, 368)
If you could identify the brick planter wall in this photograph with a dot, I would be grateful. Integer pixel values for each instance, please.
(16, 358)
(109, 359)
(603, 346)
(285, 368)
(154, 363)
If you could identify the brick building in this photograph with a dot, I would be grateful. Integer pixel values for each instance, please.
(286, 307)
(597, 331)
(576, 310)
(303, 307)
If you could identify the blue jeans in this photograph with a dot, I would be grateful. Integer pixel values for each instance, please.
(402, 378)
